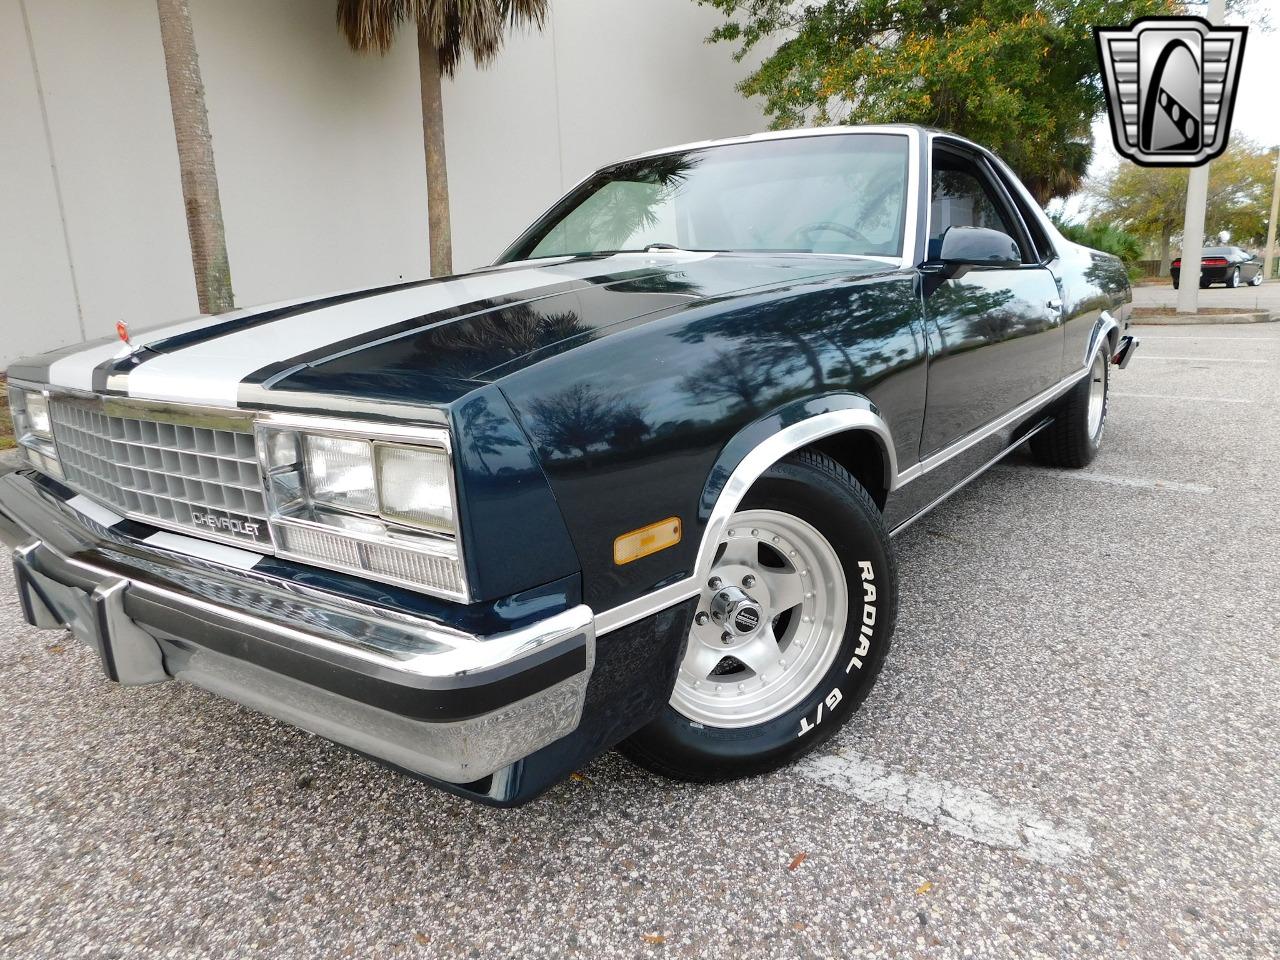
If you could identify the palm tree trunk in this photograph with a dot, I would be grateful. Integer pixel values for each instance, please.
(195, 158)
(441, 242)
(1166, 234)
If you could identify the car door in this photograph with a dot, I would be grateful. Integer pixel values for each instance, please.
(1250, 266)
(995, 334)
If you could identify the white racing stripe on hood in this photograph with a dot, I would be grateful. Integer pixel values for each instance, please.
(210, 373)
(76, 371)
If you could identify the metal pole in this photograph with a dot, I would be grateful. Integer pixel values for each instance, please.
(1269, 256)
(1193, 223)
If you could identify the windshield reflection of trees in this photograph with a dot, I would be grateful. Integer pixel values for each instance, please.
(627, 202)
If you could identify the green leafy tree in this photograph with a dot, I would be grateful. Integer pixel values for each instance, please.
(1150, 202)
(1108, 238)
(1018, 76)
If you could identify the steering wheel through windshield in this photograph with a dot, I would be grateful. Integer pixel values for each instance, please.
(804, 234)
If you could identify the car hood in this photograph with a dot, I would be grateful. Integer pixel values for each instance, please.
(417, 342)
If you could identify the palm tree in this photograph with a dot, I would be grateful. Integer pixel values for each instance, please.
(447, 29)
(195, 158)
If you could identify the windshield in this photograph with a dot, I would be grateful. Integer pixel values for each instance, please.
(842, 194)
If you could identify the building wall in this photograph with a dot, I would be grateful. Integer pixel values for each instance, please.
(604, 80)
(120, 239)
(319, 151)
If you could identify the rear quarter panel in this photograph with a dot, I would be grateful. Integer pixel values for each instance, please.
(1092, 283)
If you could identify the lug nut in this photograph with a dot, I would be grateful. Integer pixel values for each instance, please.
(715, 583)
(702, 618)
(748, 581)
(726, 638)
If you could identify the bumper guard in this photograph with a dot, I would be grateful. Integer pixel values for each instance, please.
(421, 695)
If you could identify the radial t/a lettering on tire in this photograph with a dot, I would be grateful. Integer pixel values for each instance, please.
(791, 631)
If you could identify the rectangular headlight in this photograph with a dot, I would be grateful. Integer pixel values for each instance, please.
(339, 472)
(37, 406)
(33, 429)
(414, 485)
(364, 498)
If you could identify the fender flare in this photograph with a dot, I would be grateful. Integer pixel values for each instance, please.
(752, 451)
(1101, 330)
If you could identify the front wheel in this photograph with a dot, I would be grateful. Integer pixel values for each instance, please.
(792, 628)
(1256, 279)
(1075, 435)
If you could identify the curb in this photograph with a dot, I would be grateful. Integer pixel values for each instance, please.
(1174, 319)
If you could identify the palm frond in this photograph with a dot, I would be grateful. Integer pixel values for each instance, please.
(454, 27)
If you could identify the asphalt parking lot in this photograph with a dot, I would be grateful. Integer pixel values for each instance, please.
(1072, 751)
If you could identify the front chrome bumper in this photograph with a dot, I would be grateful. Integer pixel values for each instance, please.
(426, 697)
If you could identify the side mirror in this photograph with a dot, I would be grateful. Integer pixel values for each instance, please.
(975, 247)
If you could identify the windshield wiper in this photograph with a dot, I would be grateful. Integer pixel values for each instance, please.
(659, 245)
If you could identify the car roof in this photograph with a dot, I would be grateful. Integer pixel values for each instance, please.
(797, 132)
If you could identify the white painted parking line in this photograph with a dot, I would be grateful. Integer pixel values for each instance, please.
(972, 814)
(1170, 396)
(1111, 478)
(1148, 356)
(1205, 336)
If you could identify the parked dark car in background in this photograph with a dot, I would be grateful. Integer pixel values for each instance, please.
(635, 484)
(1230, 266)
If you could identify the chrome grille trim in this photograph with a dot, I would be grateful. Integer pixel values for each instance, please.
(165, 465)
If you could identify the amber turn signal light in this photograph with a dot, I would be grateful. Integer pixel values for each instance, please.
(646, 540)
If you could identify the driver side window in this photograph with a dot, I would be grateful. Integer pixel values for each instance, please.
(962, 196)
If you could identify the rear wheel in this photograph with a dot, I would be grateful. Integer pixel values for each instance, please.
(1075, 435)
(1234, 279)
(791, 630)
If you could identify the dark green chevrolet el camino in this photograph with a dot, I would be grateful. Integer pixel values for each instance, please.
(636, 484)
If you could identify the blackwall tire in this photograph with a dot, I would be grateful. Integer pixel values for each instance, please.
(1074, 437)
(836, 633)
(1233, 281)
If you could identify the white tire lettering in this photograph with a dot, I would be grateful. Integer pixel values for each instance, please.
(831, 700)
(869, 597)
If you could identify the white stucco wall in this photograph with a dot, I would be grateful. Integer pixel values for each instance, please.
(102, 74)
(319, 151)
(604, 80)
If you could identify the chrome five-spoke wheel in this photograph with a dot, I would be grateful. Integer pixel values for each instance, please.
(769, 623)
(792, 625)
(1097, 393)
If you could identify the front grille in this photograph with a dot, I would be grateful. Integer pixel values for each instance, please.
(200, 479)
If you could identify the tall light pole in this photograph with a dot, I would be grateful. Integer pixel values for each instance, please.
(1193, 223)
(1269, 257)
